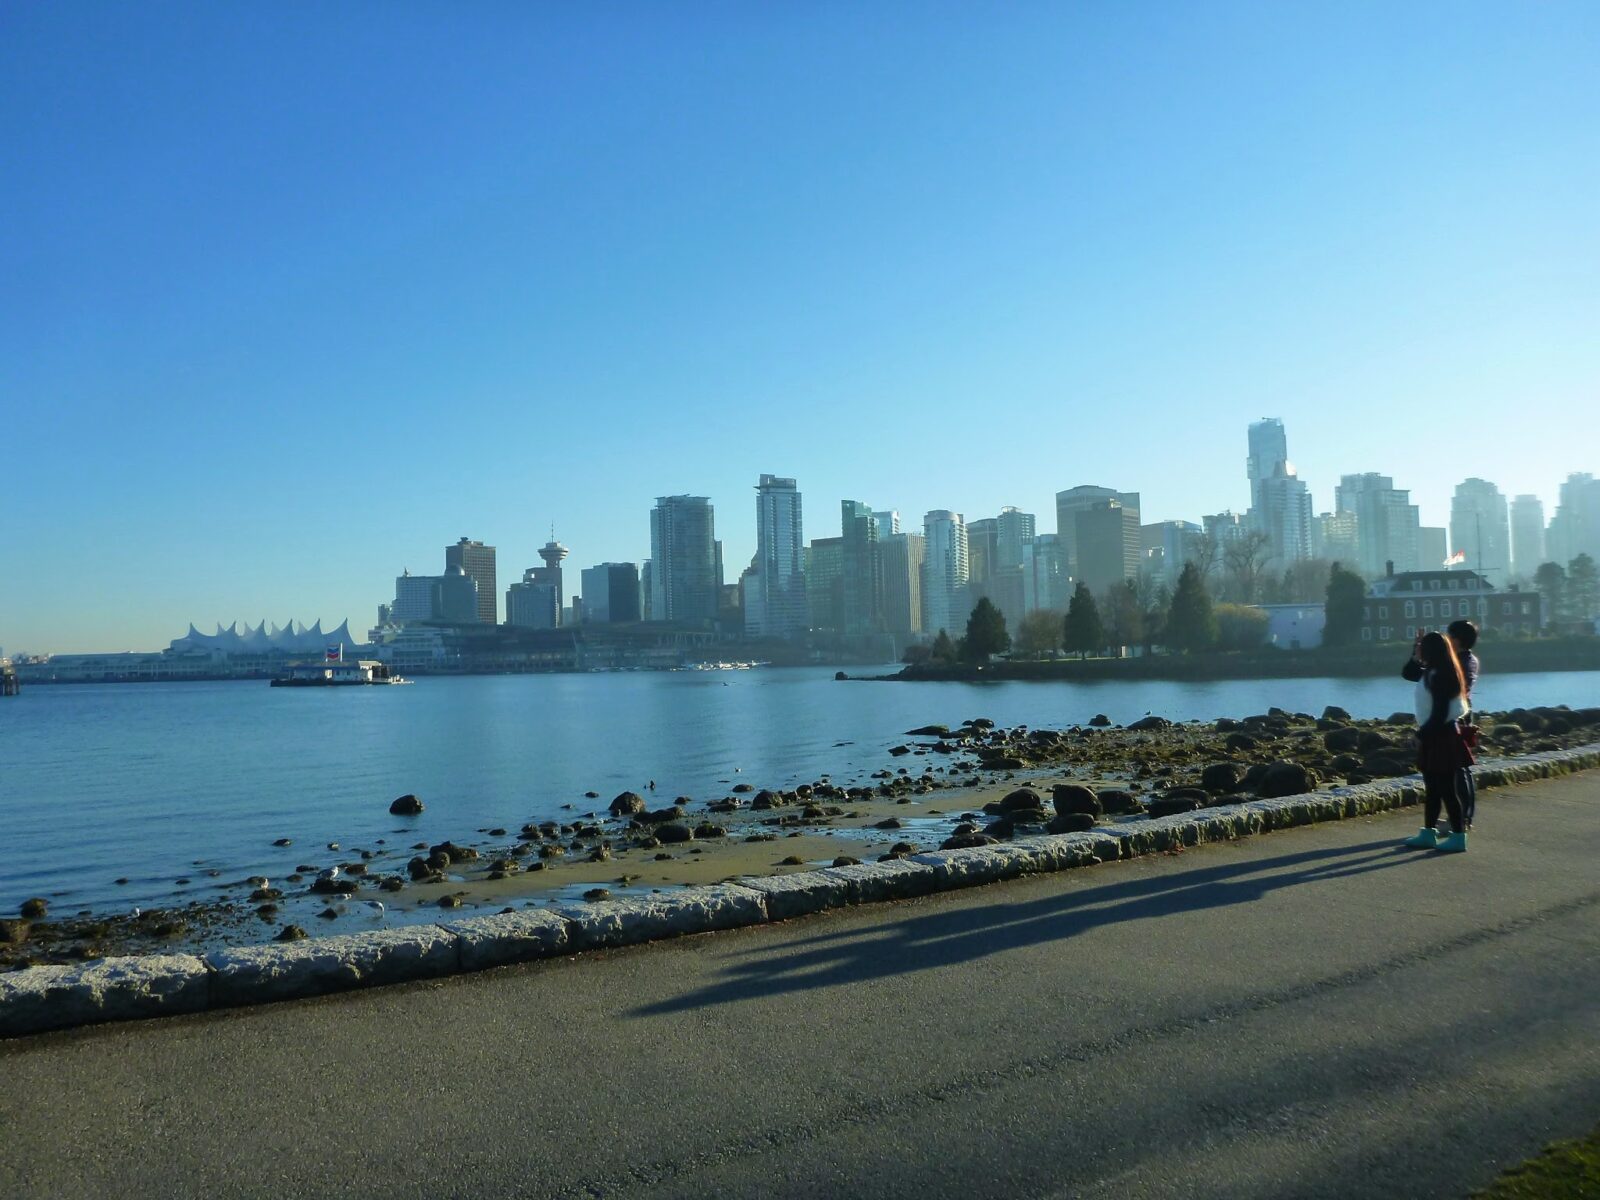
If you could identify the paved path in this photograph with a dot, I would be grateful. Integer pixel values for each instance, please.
(1308, 1013)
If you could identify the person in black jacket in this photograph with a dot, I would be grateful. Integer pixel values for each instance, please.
(1442, 751)
(1463, 637)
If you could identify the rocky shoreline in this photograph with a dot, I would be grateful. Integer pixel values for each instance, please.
(976, 785)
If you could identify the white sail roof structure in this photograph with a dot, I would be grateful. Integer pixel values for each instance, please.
(285, 639)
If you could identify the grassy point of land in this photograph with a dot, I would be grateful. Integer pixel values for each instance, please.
(1562, 1171)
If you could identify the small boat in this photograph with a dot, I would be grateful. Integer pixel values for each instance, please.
(337, 673)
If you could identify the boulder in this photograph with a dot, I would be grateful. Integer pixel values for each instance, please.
(938, 731)
(1149, 724)
(1166, 806)
(707, 830)
(1334, 713)
(1022, 798)
(1221, 777)
(1100, 721)
(1071, 822)
(1077, 798)
(1286, 779)
(966, 841)
(627, 804)
(674, 831)
(1116, 800)
(34, 909)
(419, 869)
(406, 806)
(1342, 740)
(659, 816)
(1237, 742)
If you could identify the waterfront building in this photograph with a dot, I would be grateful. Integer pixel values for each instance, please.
(1045, 582)
(1165, 546)
(1402, 603)
(610, 593)
(535, 603)
(477, 560)
(1480, 527)
(456, 599)
(685, 566)
(1334, 539)
(1108, 543)
(1294, 626)
(451, 597)
(775, 601)
(862, 568)
(1575, 527)
(1527, 536)
(1280, 505)
(945, 571)
(902, 556)
(413, 599)
(1386, 522)
(824, 582)
(1432, 546)
(888, 522)
(1072, 501)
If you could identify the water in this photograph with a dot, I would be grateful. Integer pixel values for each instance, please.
(160, 781)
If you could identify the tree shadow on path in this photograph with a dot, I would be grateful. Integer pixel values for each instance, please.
(972, 932)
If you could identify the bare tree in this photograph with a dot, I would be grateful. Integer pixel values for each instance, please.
(1245, 559)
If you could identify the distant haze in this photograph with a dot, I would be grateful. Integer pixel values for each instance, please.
(290, 298)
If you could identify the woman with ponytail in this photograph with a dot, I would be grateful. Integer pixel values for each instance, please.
(1442, 750)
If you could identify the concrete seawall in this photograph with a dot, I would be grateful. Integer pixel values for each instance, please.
(43, 998)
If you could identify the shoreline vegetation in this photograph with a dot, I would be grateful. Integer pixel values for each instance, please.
(974, 784)
(1510, 656)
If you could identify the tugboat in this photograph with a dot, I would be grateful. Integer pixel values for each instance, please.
(334, 671)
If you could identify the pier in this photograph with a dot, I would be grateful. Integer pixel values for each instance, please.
(10, 685)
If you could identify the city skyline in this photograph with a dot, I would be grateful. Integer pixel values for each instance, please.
(255, 284)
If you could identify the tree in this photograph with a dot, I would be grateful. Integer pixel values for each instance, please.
(1245, 559)
(944, 650)
(1154, 599)
(1039, 633)
(1583, 588)
(1191, 625)
(1306, 581)
(986, 632)
(1081, 631)
(1124, 619)
(1551, 580)
(1205, 552)
(1346, 593)
(1240, 627)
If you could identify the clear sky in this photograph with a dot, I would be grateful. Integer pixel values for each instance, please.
(292, 295)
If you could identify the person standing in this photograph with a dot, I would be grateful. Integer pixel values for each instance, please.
(1463, 637)
(1442, 751)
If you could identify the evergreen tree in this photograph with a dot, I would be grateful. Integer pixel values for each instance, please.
(1551, 581)
(1346, 593)
(986, 632)
(1038, 633)
(1124, 619)
(944, 650)
(1191, 625)
(1583, 588)
(1081, 631)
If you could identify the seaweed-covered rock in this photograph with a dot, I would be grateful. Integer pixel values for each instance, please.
(966, 841)
(34, 909)
(1150, 724)
(1221, 777)
(1022, 798)
(1342, 740)
(627, 804)
(1076, 798)
(674, 831)
(1071, 822)
(403, 806)
(1286, 779)
(1166, 806)
(1334, 713)
(1116, 800)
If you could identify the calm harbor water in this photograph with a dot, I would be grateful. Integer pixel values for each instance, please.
(161, 781)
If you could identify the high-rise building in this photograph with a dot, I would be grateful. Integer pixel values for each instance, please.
(1432, 547)
(1014, 529)
(1165, 546)
(944, 573)
(413, 598)
(1225, 525)
(1575, 527)
(1280, 505)
(902, 556)
(1072, 501)
(534, 603)
(775, 595)
(888, 522)
(1108, 544)
(1386, 523)
(1335, 538)
(863, 570)
(684, 559)
(610, 593)
(1045, 582)
(553, 553)
(1527, 536)
(1481, 528)
(477, 560)
(983, 548)
(824, 576)
(455, 598)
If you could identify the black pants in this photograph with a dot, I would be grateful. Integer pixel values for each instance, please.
(1442, 789)
(1467, 789)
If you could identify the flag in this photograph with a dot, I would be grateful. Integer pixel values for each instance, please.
(336, 653)
(1460, 556)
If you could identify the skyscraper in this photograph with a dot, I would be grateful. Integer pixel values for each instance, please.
(863, 569)
(683, 559)
(775, 594)
(1575, 528)
(1386, 522)
(1335, 537)
(944, 573)
(983, 548)
(1070, 502)
(534, 603)
(610, 593)
(1480, 527)
(825, 583)
(1014, 529)
(1165, 546)
(1280, 505)
(1044, 574)
(902, 555)
(553, 553)
(477, 560)
(888, 522)
(1527, 536)
(1108, 544)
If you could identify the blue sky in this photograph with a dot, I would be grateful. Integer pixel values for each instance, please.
(293, 295)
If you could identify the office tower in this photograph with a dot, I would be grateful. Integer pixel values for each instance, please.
(1575, 528)
(1224, 526)
(1481, 527)
(824, 578)
(902, 555)
(1014, 529)
(610, 593)
(413, 598)
(945, 573)
(888, 522)
(862, 569)
(1108, 544)
(1527, 536)
(1386, 523)
(775, 595)
(1045, 582)
(535, 603)
(455, 598)
(683, 559)
(1165, 546)
(477, 560)
(1334, 538)
(1432, 547)
(1280, 505)
(1070, 502)
(983, 547)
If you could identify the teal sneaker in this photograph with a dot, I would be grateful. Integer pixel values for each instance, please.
(1427, 839)
(1456, 843)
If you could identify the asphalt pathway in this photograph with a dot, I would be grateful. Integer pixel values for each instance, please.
(1307, 1013)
